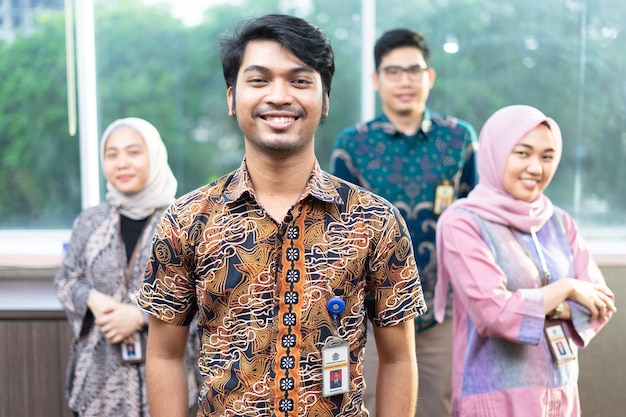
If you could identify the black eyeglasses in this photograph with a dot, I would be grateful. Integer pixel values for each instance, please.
(394, 72)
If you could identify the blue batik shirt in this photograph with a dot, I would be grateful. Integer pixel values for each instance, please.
(406, 170)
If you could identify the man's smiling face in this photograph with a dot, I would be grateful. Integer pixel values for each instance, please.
(277, 100)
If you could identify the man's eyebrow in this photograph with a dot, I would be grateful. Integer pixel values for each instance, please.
(253, 68)
(262, 69)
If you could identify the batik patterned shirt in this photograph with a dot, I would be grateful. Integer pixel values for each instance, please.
(406, 171)
(260, 289)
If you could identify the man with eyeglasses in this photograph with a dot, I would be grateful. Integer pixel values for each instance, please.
(421, 161)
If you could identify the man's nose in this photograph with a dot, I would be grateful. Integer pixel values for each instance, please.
(280, 92)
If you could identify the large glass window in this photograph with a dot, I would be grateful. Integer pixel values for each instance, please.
(158, 60)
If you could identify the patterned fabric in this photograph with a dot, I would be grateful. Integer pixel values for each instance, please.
(512, 251)
(290, 316)
(406, 171)
(97, 383)
(502, 363)
(260, 289)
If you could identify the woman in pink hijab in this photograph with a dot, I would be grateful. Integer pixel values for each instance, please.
(526, 290)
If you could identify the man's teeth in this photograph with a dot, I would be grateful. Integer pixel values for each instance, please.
(280, 120)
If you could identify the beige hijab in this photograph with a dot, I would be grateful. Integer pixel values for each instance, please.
(160, 188)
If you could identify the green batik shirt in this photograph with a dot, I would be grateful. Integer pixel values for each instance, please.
(406, 170)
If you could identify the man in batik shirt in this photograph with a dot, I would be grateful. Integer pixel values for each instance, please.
(276, 258)
(420, 161)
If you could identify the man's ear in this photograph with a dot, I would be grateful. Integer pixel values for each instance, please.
(326, 106)
(230, 99)
(376, 80)
(432, 75)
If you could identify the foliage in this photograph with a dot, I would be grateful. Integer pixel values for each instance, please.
(530, 52)
(39, 160)
(149, 64)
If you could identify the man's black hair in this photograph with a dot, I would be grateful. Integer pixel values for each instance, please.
(307, 42)
(398, 38)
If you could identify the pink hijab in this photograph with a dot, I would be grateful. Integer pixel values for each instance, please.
(489, 199)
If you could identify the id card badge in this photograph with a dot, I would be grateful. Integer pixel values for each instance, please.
(133, 351)
(335, 367)
(559, 345)
(444, 194)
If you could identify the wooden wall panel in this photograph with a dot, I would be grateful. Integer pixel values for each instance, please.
(34, 348)
(5, 374)
(33, 356)
(603, 363)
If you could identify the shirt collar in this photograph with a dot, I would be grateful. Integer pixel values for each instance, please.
(426, 126)
(319, 186)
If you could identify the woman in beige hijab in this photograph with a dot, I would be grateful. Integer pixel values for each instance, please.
(103, 268)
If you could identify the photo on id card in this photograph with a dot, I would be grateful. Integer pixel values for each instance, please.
(133, 351)
(559, 345)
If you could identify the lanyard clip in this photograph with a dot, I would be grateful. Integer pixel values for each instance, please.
(336, 306)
